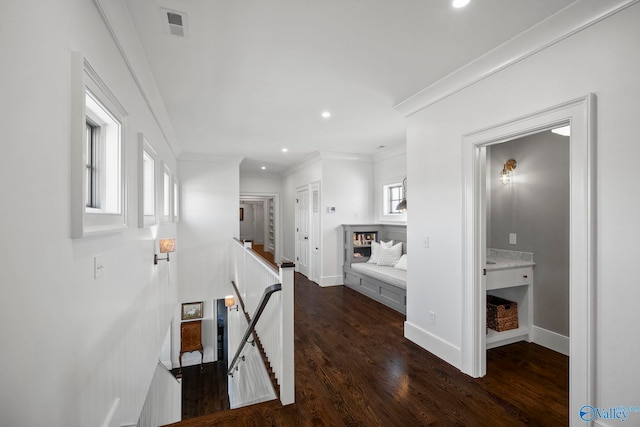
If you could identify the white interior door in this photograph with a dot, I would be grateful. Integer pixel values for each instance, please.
(302, 231)
(315, 233)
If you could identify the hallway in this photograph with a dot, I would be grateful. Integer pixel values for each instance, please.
(355, 368)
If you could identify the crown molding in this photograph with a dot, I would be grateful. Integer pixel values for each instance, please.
(210, 158)
(118, 20)
(390, 152)
(568, 21)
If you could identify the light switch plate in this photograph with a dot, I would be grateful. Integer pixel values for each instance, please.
(513, 238)
(98, 266)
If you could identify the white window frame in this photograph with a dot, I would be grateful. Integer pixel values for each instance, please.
(146, 150)
(107, 113)
(387, 204)
(175, 200)
(167, 190)
(385, 215)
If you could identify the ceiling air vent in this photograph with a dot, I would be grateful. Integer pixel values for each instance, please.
(176, 22)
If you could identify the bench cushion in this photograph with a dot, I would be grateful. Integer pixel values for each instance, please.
(391, 275)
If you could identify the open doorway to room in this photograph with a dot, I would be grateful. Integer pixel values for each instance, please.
(579, 114)
(527, 240)
(259, 222)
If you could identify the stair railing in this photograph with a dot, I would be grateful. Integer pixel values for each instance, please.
(252, 326)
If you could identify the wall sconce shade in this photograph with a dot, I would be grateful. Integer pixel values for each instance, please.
(229, 302)
(505, 175)
(166, 246)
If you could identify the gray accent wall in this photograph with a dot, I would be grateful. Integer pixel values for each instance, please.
(535, 206)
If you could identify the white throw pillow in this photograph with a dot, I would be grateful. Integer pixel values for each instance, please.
(390, 256)
(375, 250)
(402, 263)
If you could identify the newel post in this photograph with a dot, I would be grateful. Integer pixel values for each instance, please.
(288, 386)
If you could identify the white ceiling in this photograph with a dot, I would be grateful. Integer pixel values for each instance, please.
(253, 76)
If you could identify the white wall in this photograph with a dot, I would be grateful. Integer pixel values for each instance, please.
(207, 226)
(267, 183)
(309, 172)
(602, 58)
(72, 344)
(346, 185)
(390, 167)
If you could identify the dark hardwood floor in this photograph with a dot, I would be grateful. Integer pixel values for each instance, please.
(204, 391)
(355, 368)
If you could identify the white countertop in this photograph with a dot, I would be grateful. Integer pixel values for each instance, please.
(501, 259)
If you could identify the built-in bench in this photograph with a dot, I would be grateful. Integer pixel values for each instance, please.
(385, 284)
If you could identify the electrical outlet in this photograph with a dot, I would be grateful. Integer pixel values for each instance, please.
(513, 238)
(432, 318)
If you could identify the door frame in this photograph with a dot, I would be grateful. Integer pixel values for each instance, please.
(300, 189)
(580, 114)
(254, 196)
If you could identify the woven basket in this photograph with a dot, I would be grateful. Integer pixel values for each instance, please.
(502, 315)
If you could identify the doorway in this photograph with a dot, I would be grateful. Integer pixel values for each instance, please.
(302, 231)
(261, 219)
(580, 115)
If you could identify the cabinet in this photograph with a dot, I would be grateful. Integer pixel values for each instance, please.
(357, 242)
(191, 339)
(514, 284)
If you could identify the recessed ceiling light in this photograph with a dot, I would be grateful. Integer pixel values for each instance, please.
(284, 150)
(263, 167)
(326, 114)
(460, 3)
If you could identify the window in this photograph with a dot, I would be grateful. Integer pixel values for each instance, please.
(393, 194)
(176, 200)
(146, 183)
(166, 193)
(97, 173)
(91, 160)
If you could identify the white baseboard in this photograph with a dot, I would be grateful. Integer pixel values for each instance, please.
(433, 344)
(330, 281)
(551, 340)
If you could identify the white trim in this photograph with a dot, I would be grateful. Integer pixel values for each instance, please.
(580, 113)
(87, 222)
(145, 147)
(574, 18)
(126, 38)
(390, 152)
(258, 196)
(110, 420)
(326, 281)
(436, 345)
(550, 339)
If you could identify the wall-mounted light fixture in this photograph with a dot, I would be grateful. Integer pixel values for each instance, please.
(402, 206)
(166, 246)
(505, 175)
(230, 303)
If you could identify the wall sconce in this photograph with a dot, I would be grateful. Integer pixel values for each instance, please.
(166, 246)
(505, 175)
(229, 302)
(402, 206)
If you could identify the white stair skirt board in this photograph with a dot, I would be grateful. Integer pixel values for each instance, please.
(550, 340)
(433, 344)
